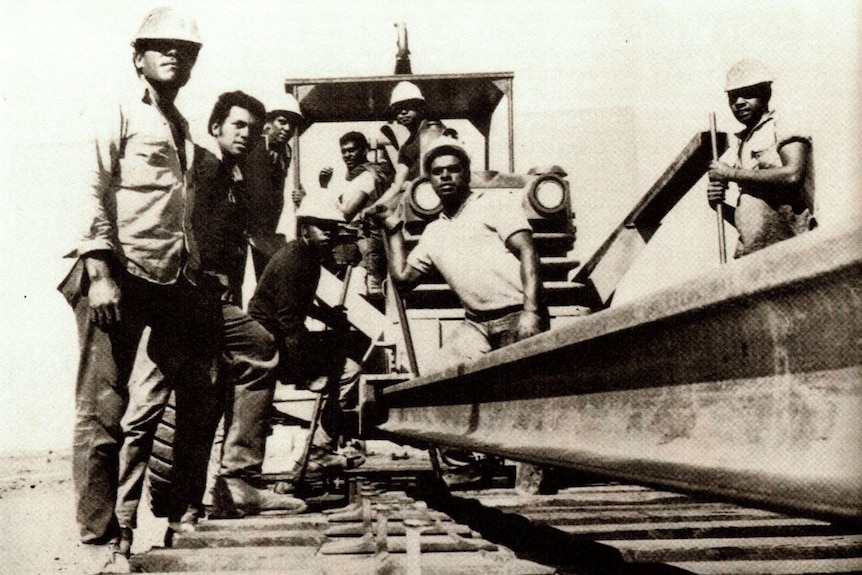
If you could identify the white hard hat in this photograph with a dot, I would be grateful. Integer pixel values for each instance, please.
(747, 73)
(404, 92)
(319, 206)
(444, 145)
(288, 103)
(166, 23)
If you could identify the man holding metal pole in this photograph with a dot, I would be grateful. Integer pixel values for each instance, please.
(285, 297)
(769, 162)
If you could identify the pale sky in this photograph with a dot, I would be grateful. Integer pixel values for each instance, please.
(610, 90)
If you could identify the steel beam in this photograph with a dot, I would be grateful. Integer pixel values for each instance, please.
(744, 383)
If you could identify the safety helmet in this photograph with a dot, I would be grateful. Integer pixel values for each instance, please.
(319, 206)
(747, 73)
(288, 104)
(405, 92)
(444, 145)
(166, 23)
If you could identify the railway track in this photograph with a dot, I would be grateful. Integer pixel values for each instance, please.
(391, 519)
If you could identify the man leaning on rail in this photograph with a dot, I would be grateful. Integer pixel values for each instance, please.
(483, 247)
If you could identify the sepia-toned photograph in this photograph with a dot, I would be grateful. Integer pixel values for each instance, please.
(450, 288)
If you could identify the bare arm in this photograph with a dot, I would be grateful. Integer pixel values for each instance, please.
(390, 197)
(534, 315)
(402, 273)
(792, 172)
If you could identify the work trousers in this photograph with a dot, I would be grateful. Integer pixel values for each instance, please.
(248, 356)
(344, 396)
(180, 322)
(373, 257)
(472, 339)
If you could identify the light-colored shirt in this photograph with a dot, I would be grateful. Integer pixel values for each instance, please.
(136, 188)
(767, 216)
(469, 250)
(361, 187)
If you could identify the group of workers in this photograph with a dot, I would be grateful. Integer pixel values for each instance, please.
(157, 283)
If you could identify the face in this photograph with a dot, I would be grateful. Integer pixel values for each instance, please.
(748, 104)
(166, 62)
(319, 234)
(280, 129)
(353, 154)
(407, 115)
(448, 177)
(237, 132)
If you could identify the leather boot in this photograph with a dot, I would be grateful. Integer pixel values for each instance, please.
(250, 499)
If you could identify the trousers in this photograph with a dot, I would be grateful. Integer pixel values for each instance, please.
(242, 387)
(180, 323)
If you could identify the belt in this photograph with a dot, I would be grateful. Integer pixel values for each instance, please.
(492, 314)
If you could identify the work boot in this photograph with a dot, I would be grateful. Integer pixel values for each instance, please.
(119, 551)
(251, 500)
(185, 524)
(323, 459)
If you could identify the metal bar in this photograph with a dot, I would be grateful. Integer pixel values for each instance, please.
(297, 183)
(323, 395)
(744, 383)
(402, 314)
(511, 125)
(719, 209)
(603, 271)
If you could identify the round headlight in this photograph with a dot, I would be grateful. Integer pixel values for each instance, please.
(423, 199)
(548, 195)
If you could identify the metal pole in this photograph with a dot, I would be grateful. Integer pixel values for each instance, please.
(719, 209)
(321, 397)
(402, 314)
(511, 113)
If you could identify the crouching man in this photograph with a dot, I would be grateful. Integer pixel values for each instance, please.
(284, 298)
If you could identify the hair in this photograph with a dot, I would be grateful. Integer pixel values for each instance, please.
(292, 116)
(228, 100)
(357, 138)
(446, 150)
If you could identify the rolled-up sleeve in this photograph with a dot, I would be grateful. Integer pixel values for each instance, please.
(98, 213)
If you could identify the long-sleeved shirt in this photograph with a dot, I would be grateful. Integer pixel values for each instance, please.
(220, 219)
(285, 297)
(267, 170)
(137, 188)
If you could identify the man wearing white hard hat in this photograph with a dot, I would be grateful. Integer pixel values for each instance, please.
(137, 263)
(408, 107)
(770, 161)
(285, 297)
(269, 162)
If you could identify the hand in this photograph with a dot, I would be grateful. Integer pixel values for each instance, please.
(324, 177)
(715, 193)
(372, 213)
(104, 297)
(339, 318)
(720, 172)
(530, 323)
(297, 195)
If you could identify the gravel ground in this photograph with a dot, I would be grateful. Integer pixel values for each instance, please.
(38, 534)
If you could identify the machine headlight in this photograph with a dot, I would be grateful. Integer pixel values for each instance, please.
(424, 201)
(548, 195)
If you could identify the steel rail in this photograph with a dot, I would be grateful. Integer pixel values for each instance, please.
(744, 383)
